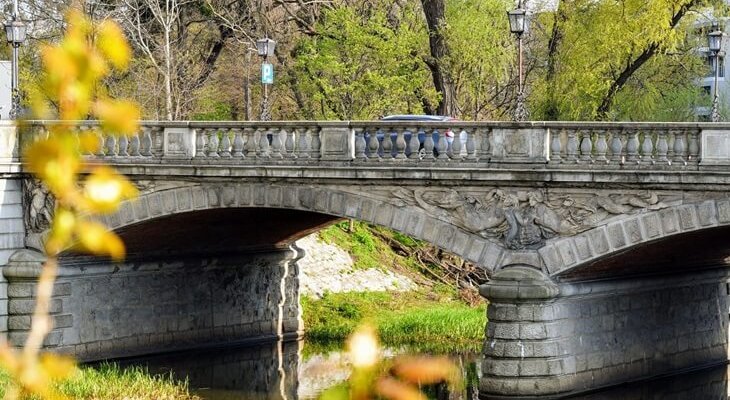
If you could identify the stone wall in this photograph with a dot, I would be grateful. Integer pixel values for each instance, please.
(103, 310)
(12, 234)
(597, 334)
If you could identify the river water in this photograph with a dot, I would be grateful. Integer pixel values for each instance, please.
(294, 371)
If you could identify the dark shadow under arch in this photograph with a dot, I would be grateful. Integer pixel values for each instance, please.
(685, 252)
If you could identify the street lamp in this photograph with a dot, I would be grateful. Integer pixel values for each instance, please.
(265, 48)
(517, 26)
(15, 31)
(714, 43)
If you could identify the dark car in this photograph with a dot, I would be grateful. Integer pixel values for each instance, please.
(449, 134)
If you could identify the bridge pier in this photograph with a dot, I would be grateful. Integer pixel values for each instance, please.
(548, 338)
(104, 310)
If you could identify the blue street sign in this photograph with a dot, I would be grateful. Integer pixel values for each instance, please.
(267, 74)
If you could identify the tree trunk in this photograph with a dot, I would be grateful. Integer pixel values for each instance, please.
(552, 113)
(435, 19)
(636, 63)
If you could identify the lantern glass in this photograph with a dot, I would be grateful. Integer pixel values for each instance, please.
(517, 20)
(714, 40)
(15, 32)
(265, 47)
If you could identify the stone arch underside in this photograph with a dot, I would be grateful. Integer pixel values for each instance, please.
(677, 238)
(278, 215)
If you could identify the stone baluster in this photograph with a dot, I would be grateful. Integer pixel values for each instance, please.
(571, 147)
(442, 146)
(264, 147)
(632, 146)
(456, 145)
(225, 144)
(316, 143)
(289, 143)
(586, 147)
(276, 144)
(400, 144)
(428, 144)
(237, 143)
(303, 143)
(111, 146)
(671, 137)
(414, 145)
(373, 144)
(123, 144)
(679, 147)
(134, 145)
(212, 143)
(102, 143)
(616, 146)
(485, 151)
(387, 144)
(200, 135)
(601, 146)
(647, 148)
(694, 146)
(471, 148)
(249, 146)
(555, 146)
(146, 143)
(662, 147)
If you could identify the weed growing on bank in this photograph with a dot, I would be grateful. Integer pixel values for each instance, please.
(431, 322)
(109, 381)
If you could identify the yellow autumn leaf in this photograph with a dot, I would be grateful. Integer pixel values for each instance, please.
(62, 228)
(394, 389)
(95, 238)
(112, 44)
(363, 348)
(104, 189)
(89, 142)
(52, 161)
(426, 370)
(119, 117)
(57, 366)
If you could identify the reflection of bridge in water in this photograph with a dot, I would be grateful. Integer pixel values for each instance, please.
(274, 371)
(605, 243)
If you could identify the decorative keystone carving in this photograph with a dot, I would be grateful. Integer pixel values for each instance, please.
(524, 219)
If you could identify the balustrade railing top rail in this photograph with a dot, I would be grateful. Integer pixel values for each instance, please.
(593, 145)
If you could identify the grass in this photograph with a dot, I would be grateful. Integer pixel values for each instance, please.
(421, 321)
(109, 381)
(366, 251)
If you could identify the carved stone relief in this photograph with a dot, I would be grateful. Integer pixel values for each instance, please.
(524, 219)
(39, 205)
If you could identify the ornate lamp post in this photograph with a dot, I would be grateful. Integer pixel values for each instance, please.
(265, 49)
(517, 26)
(15, 30)
(714, 42)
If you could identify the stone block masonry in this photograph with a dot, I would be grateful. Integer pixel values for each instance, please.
(597, 334)
(107, 311)
(12, 235)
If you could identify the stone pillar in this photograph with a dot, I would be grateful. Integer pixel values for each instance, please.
(546, 338)
(22, 272)
(522, 349)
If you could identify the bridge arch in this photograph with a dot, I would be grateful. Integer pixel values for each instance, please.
(322, 205)
(652, 237)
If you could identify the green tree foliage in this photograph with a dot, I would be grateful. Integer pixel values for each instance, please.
(630, 59)
(364, 62)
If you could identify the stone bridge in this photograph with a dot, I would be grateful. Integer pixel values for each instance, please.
(606, 243)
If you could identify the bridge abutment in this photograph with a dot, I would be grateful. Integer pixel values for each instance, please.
(103, 310)
(548, 338)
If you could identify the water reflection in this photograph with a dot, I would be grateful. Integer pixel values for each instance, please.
(285, 371)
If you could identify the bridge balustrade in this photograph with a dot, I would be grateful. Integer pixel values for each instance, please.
(456, 143)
